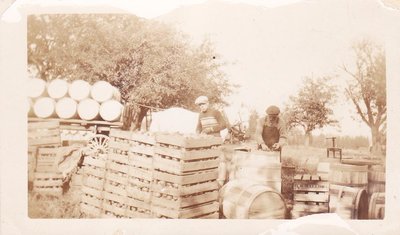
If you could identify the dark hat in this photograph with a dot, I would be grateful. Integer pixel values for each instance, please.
(272, 110)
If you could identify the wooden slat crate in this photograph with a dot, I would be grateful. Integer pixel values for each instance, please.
(137, 209)
(48, 183)
(44, 133)
(183, 190)
(114, 205)
(178, 202)
(93, 182)
(187, 154)
(189, 178)
(176, 166)
(311, 195)
(91, 201)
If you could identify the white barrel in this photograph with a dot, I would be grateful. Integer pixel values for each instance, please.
(57, 88)
(111, 110)
(36, 87)
(66, 108)
(102, 91)
(44, 107)
(88, 109)
(79, 90)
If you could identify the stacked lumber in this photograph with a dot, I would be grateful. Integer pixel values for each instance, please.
(140, 175)
(93, 177)
(311, 195)
(185, 176)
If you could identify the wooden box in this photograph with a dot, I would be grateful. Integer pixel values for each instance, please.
(44, 134)
(48, 183)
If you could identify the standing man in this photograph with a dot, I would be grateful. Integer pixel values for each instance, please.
(271, 132)
(210, 121)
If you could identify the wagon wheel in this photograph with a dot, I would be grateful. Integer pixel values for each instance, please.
(99, 143)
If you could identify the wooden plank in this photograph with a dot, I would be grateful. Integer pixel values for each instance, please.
(140, 173)
(182, 202)
(47, 183)
(120, 134)
(119, 190)
(214, 215)
(145, 150)
(93, 182)
(32, 120)
(51, 175)
(43, 125)
(118, 158)
(187, 155)
(93, 201)
(118, 178)
(90, 210)
(140, 161)
(93, 192)
(311, 186)
(113, 144)
(179, 167)
(111, 165)
(185, 190)
(187, 212)
(186, 179)
(132, 181)
(301, 207)
(120, 211)
(143, 138)
(56, 191)
(88, 160)
(134, 214)
(98, 172)
(114, 197)
(324, 197)
(56, 140)
(185, 141)
(136, 193)
(134, 202)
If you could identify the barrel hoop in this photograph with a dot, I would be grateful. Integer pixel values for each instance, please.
(259, 191)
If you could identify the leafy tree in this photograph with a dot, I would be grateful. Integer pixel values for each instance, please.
(152, 64)
(367, 89)
(311, 107)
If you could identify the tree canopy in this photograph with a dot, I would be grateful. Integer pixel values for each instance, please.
(151, 63)
(366, 89)
(311, 107)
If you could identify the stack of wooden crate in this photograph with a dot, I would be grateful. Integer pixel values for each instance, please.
(311, 195)
(43, 140)
(93, 177)
(185, 176)
(116, 179)
(140, 175)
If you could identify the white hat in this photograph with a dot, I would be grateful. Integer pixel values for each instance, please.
(201, 100)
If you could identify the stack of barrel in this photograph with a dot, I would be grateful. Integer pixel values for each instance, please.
(253, 190)
(376, 191)
(93, 178)
(185, 176)
(76, 100)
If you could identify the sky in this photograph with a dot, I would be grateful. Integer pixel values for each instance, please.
(294, 51)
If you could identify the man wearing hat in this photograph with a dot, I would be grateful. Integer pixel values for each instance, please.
(210, 120)
(271, 132)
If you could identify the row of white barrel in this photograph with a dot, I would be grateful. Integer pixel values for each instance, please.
(61, 99)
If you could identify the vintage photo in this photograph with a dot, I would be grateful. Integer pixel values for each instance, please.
(209, 111)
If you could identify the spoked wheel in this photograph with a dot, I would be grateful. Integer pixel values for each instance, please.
(99, 143)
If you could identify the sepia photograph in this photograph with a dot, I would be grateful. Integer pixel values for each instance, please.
(245, 117)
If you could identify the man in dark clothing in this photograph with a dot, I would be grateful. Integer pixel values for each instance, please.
(271, 132)
(210, 121)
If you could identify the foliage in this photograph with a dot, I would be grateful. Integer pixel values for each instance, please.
(311, 107)
(150, 63)
(367, 89)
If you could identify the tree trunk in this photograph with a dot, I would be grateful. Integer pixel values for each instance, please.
(308, 140)
(376, 147)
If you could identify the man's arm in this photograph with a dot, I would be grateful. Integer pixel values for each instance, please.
(282, 133)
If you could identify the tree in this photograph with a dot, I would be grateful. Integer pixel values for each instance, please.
(311, 107)
(366, 89)
(152, 64)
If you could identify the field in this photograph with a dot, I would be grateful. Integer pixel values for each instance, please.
(302, 159)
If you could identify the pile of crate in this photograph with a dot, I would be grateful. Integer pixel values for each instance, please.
(311, 195)
(43, 158)
(93, 178)
(185, 176)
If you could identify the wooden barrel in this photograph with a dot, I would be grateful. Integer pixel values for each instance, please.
(79, 90)
(44, 107)
(66, 108)
(88, 109)
(36, 88)
(102, 91)
(111, 110)
(348, 202)
(261, 167)
(349, 175)
(377, 206)
(376, 179)
(243, 199)
(57, 88)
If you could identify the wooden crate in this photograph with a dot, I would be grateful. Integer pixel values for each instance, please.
(47, 159)
(93, 182)
(44, 134)
(183, 190)
(187, 178)
(90, 211)
(137, 208)
(114, 204)
(178, 202)
(48, 183)
(187, 141)
(311, 195)
(176, 166)
(186, 213)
